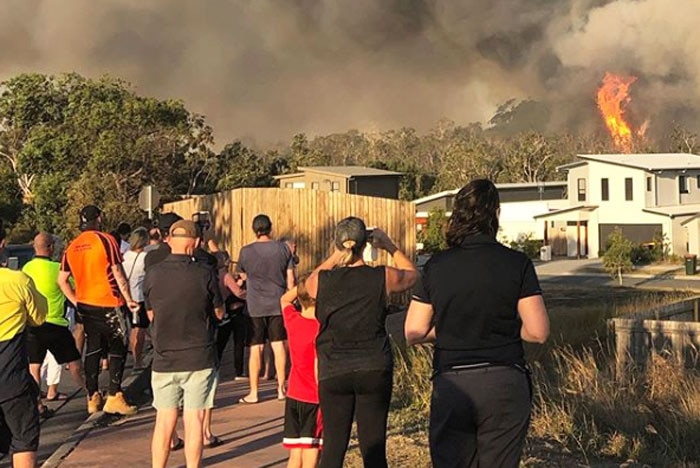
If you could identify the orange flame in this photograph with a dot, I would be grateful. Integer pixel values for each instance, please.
(612, 97)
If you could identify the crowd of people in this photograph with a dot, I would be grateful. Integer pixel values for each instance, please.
(172, 286)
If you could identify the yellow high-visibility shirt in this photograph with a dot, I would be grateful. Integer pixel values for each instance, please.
(20, 304)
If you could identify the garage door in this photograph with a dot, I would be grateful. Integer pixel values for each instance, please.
(637, 233)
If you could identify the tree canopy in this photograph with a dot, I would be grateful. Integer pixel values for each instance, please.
(70, 140)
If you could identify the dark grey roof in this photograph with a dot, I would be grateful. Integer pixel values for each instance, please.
(349, 171)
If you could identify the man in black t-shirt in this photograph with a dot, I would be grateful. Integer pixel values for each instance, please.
(183, 301)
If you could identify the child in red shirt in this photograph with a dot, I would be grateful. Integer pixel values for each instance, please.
(303, 427)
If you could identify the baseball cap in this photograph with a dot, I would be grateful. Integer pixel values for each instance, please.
(89, 213)
(350, 229)
(166, 220)
(262, 224)
(184, 228)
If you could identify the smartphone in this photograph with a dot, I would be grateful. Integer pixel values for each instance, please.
(369, 254)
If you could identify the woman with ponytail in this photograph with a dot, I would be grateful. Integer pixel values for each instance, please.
(355, 365)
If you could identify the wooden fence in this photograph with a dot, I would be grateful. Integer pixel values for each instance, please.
(672, 329)
(308, 216)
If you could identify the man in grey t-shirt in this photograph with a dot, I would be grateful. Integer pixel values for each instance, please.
(268, 268)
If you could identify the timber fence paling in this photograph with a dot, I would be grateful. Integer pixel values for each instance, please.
(309, 216)
(665, 329)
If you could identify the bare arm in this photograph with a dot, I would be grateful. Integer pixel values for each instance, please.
(404, 273)
(328, 263)
(234, 287)
(418, 327)
(123, 285)
(149, 312)
(291, 279)
(66, 287)
(533, 313)
(219, 312)
(288, 298)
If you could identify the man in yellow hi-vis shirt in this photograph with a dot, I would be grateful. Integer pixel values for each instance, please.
(21, 305)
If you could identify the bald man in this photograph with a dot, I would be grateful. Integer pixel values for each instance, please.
(53, 335)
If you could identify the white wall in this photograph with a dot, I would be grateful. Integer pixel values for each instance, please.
(575, 173)
(518, 218)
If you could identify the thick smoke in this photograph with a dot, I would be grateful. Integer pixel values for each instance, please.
(267, 69)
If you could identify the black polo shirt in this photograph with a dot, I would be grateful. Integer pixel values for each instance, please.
(474, 290)
(182, 294)
(157, 255)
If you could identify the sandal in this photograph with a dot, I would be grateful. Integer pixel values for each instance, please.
(243, 401)
(213, 442)
(58, 397)
(178, 445)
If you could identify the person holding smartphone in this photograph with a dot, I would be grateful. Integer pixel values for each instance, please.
(355, 364)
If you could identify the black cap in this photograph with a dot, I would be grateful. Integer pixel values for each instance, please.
(350, 229)
(89, 213)
(262, 224)
(166, 220)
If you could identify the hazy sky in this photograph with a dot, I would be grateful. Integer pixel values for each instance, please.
(265, 69)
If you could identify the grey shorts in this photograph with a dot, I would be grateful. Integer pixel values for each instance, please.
(190, 390)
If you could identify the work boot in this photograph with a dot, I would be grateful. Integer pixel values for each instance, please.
(94, 403)
(116, 404)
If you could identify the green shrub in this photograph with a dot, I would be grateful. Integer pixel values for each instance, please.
(527, 245)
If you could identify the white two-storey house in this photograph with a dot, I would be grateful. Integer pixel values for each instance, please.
(642, 194)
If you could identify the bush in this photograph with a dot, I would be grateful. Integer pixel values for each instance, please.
(433, 234)
(527, 245)
(618, 256)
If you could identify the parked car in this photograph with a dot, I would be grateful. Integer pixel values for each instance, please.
(18, 255)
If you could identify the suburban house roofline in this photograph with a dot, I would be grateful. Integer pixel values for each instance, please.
(347, 172)
(566, 210)
(513, 185)
(288, 176)
(648, 162)
(566, 167)
(673, 211)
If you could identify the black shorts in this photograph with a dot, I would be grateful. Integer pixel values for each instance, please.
(51, 337)
(262, 329)
(303, 426)
(141, 318)
(19, 424)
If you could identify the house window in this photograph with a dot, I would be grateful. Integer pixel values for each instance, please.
(581, 189)
(335, 187)
(649, 184)
(314, 185)
(682, 184)
(628, 189)
(604, 190)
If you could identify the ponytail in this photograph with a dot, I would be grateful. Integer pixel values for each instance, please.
(349, 253)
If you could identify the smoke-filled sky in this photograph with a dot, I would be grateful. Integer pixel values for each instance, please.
(266, 69)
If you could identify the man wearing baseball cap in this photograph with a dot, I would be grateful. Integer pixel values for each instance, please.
(183, 301)
(101, 291)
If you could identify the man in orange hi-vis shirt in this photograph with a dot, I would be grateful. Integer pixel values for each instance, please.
(101, 291)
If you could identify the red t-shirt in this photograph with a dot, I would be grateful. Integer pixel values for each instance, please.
(301, 336)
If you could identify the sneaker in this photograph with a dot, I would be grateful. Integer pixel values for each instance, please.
(116, 404)
(94, 403)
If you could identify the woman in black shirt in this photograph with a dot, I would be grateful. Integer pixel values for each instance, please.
(477, 301)
(355, 364)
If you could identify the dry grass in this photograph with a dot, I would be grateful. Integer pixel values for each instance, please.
(582, 416)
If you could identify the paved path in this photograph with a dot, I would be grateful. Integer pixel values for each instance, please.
(69, 415)
(252, 434)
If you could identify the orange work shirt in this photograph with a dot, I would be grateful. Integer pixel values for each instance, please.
(89, 259)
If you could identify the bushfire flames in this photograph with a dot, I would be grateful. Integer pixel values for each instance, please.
(613, 96)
